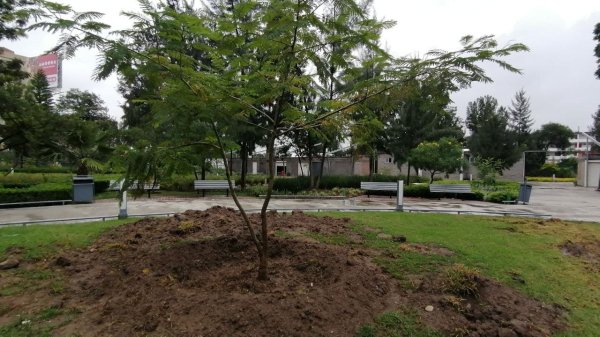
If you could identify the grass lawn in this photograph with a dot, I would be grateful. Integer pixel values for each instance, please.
(522, 253)
(39, 241)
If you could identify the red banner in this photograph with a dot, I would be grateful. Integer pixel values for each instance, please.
(50, 65)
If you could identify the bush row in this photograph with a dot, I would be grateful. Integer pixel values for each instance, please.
(297, 184)
(40, 192)
(35, 169)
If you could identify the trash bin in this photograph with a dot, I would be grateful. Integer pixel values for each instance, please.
(525, 193)
(83, 189)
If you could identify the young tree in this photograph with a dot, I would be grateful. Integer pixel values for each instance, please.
(260, 77)
(491, 136)
(520, 117)
(440, 156)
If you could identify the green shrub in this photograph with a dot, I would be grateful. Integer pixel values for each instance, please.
(549, 179)
(41, 192)
(35, 178)
(256, 190)
(297, 184)
(500, 196)
(35, 169)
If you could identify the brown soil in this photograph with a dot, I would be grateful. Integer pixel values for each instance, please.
(495, 310)
(588, 251)
(194, 275)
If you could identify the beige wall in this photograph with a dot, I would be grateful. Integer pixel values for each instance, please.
(593, 173)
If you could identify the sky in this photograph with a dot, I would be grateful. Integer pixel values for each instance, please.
(558, 72)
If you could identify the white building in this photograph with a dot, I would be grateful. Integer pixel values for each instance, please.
(577, 149)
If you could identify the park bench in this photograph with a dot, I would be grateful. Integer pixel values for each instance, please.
(212, 185)
(116, 185)
(378, 186)
(451, 188)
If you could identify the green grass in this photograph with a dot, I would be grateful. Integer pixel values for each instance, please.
(39, 241)
(500, 248)
(396, 324)
(39, 325)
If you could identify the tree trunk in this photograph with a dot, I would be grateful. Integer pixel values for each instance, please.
(371, 166)
(310, 170)
(260, 244)
(431, 179)
(408, 173)
(262, 267)
(300, 165)
(244, 163)
(322, 165)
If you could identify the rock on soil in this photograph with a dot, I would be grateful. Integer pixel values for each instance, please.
(9, 264)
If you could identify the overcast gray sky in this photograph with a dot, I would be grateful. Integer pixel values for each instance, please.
(558, 73)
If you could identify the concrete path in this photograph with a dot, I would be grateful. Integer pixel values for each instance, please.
(559, 200)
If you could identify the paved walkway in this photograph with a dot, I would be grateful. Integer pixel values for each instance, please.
(559, 200)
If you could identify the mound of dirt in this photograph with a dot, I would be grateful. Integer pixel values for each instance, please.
(495, 310)
(195, 275)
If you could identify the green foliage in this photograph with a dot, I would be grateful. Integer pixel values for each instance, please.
(36, 169)
(491, 137)
(444, 155)
(41, 90)
(550, 179)
(487, 169)
(40, 192)
(501, 196)
(520, 117)
(297, 184)
(597, 50)
(553, 135)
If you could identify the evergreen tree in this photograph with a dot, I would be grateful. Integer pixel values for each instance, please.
(595, 129)
(491, 136)
(597, 49)
(520, 117)
(41, 91)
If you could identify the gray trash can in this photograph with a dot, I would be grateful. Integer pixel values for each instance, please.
(83, 189)
(525, 193)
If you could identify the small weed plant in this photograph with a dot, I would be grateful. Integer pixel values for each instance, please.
(461, 280)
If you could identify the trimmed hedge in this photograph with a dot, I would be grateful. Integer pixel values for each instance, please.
(297, 184)
(41, 192)
(34, 169)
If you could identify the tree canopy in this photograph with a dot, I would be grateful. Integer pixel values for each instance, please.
(440, 156)
(491, 137)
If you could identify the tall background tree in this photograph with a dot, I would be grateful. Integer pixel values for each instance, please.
(597, 49)
(520, 118)
(491, 136)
